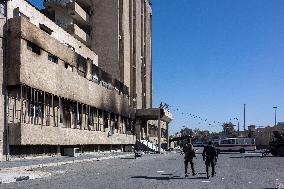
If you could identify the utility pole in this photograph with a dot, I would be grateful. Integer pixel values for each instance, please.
(275, 108)
(244, 117)
(238, 128)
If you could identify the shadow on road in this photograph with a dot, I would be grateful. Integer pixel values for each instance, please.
(193, 178)
(128, 158)
(167, 178)
(158, 178)
(251, 157)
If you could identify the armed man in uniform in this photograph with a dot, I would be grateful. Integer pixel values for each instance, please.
(210, 157)
(189, 154)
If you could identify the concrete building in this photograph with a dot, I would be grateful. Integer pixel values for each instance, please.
(71, 80)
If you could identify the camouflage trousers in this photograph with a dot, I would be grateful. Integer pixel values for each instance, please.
(186, 166)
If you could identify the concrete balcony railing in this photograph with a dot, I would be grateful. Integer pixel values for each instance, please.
(28, 134)
(78, 13)
(84, 3)
(78, 33)
(73, 9)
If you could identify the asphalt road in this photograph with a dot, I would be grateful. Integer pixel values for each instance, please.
(163, 171)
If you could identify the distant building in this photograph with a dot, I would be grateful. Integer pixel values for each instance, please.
(264, 135)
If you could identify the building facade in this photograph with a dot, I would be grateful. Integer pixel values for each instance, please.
(69, 80)
(120, 32)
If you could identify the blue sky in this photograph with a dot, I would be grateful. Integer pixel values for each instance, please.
(212, 56)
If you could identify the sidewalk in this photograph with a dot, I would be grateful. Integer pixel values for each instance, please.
(22, 169)
(49, 161)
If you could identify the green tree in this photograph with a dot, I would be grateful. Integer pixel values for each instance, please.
(229, 130)
(186, 132)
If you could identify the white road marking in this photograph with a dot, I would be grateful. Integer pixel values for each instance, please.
(206, 181)
(160, 171)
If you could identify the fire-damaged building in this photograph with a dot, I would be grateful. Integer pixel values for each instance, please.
(77, 74)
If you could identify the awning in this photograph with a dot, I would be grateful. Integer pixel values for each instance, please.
(154, 114)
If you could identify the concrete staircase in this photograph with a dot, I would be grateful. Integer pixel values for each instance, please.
(147, 145)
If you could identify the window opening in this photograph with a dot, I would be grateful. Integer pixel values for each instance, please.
(45, 29)
(81, 66)
(68, 67)
(33, 47)
(53, 58)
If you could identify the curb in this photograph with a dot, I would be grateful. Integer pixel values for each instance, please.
(31, 167)
(68, 162)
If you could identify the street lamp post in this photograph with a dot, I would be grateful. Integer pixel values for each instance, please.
(275, 108)
(238, 125)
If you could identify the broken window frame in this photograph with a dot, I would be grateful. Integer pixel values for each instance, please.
(46, 29)
(69, 67)
(52, 58)
(33, 47)
(81, 66)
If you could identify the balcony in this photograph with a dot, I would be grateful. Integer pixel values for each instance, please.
(78, 13)
(85, 4)
(73, 9)
(78, 33)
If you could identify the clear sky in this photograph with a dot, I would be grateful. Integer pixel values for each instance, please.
(212, 56)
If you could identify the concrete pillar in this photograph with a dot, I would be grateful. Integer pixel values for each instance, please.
(159, 134)
(142, 130)
(58, 150)
(109, 122)
(168, 137)
(147, 129)
(89, 71)
(83, 126)
(120, 126)
(103, 121)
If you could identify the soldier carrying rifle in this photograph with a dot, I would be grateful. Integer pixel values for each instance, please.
(210, 157)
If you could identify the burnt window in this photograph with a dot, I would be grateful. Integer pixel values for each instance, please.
(96, 73)
(68, 67)
(45, 29)
(33, 47)
(81, 65)
(52, 58)
(35, 103)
